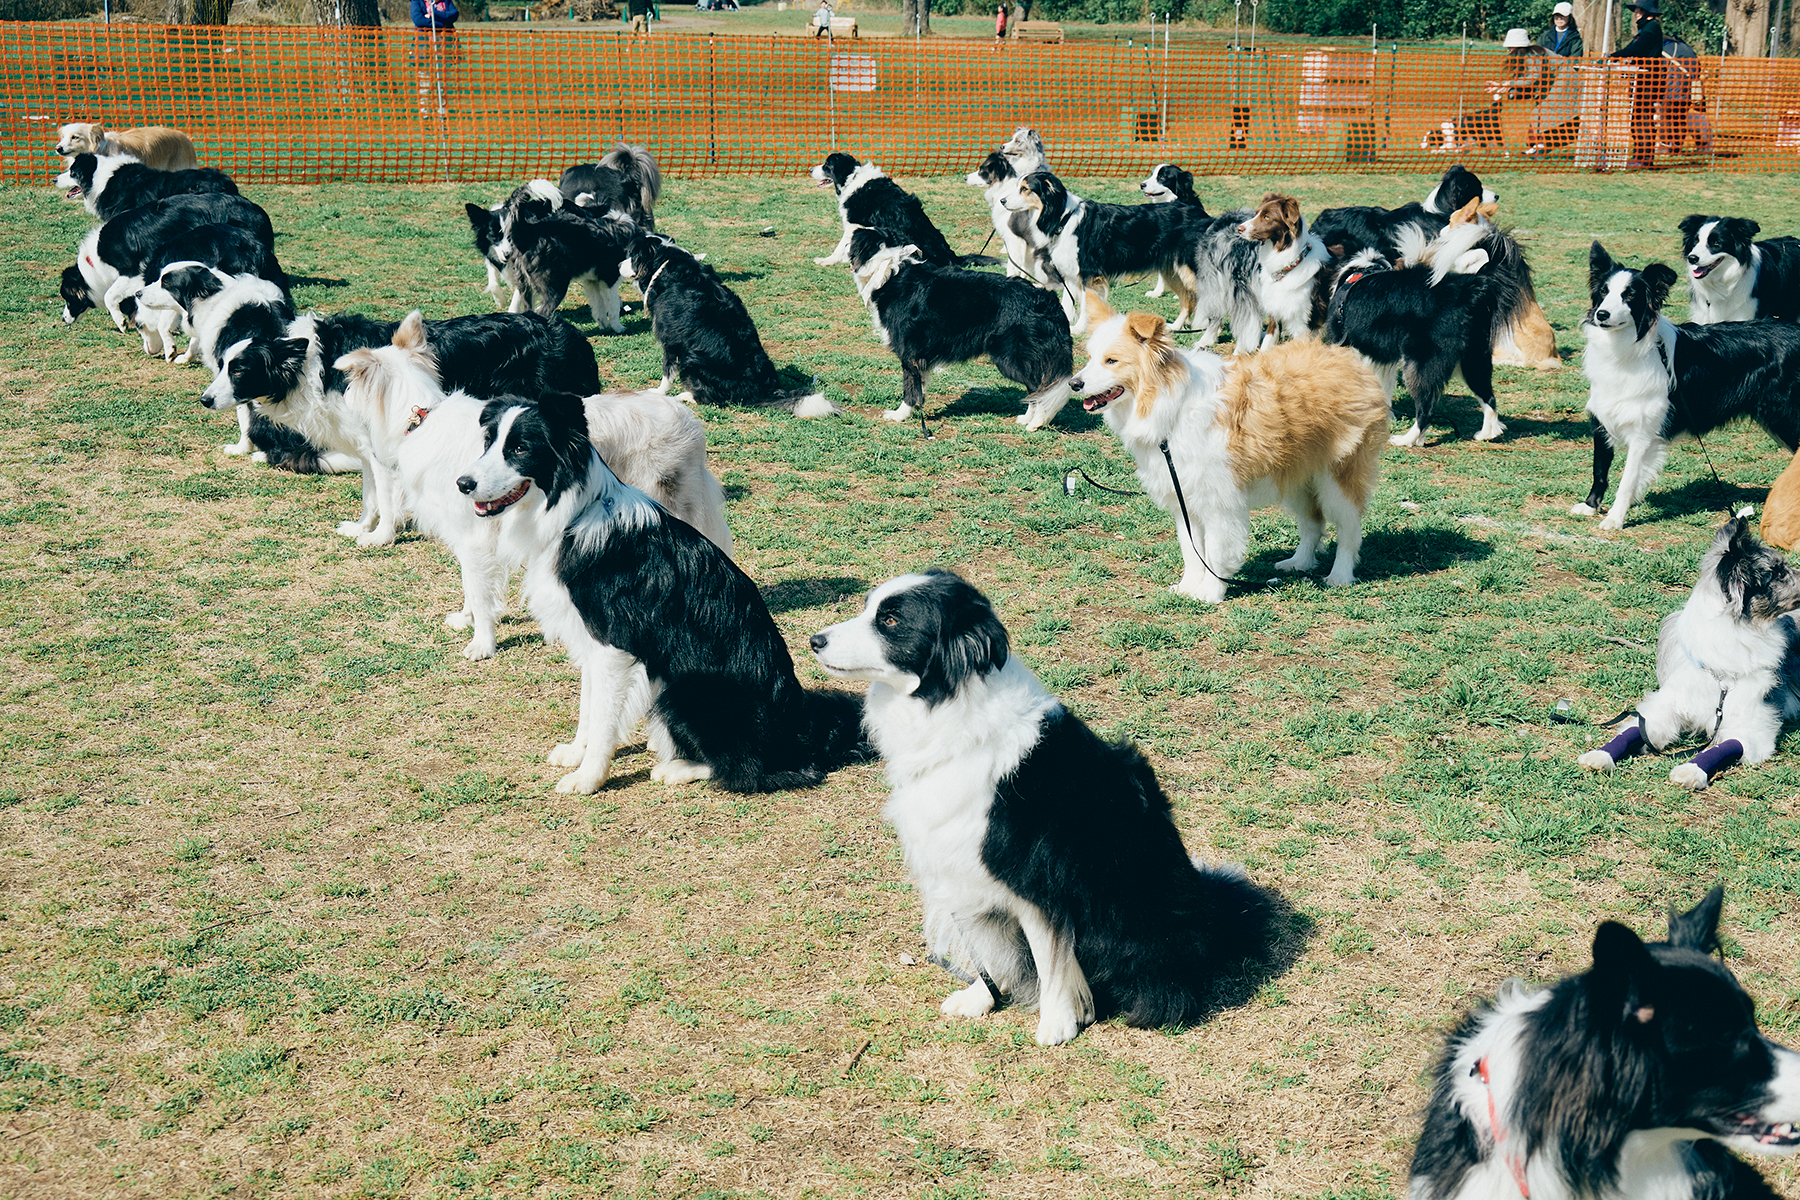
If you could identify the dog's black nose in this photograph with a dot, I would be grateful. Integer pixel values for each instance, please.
(1694, 259)
(1075, 385)
(817, 642)
(1600, 314)
(466, 484)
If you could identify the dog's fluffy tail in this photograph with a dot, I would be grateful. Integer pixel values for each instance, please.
(1230, 920)
(835, 719)
(637, 163)
(805, 403)
(286, 449)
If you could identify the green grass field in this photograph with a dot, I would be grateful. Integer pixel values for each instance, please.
(288, 908)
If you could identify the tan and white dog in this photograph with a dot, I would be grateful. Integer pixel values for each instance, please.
(155, 146)
(1301, 424)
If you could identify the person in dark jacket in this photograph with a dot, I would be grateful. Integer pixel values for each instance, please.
(1562, 37)
(1646, 51)
(438, 14)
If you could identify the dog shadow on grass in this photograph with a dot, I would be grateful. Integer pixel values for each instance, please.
(1423, 550)
(315, 281)
(812, 591)
(1010, 402)
(1719, 497)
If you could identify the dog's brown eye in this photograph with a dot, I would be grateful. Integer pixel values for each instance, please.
(890, 620)
(1112, 362)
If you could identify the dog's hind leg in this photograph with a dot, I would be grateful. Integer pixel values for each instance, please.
(1346, 516)
(1425, 391)
(912, 393)
(1311, 520)
(388, 504)
(1065, 1001)
(366, 522)
(603, 303)
(1478, 372)
(1603, 457)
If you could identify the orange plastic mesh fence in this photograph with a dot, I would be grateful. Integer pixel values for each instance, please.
(306, 105)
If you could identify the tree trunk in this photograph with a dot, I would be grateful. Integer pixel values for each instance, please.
(915, 18)
(1590, 18)
(1747, 25)
(211, 12)
(353, 12)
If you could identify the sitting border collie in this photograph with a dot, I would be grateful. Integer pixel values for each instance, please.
(1424, 325)
(1360, 227)
(294, 381)
(118, 183)
(1048, 864)
(426, 437)
(537, 197)
(1636, 1078)
(545, 254)
(706, 333)
(1733, 277)
(1727, 663)
(626, 178)
(1652, 381)
(932, 316)
(109, 263)
(1083, 245)
(620, 582)
(868, 198)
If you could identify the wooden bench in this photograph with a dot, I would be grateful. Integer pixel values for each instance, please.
(840, 27)
(1038, 31)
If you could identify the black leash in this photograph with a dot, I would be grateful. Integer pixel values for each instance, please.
(1169, 460)
(1662, 352)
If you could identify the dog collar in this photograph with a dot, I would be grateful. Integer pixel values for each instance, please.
(645, 290)
(1499, 1131)
(1352, 278)
(417, 419)
(1278, 276)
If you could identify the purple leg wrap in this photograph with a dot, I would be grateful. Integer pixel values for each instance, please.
(1629, 742)
(1714, 759)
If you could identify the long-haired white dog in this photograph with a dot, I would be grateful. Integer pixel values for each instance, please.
(1727, 663)
(1301, 424)
(426, 438)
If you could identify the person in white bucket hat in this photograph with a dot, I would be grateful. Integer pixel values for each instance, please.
(1562, 37)
(1528, 78)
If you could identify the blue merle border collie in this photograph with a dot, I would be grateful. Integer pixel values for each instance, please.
(1048, 863)
(1734, 277)
(706, 334)
(1652, 381)
(114, 183)
(626, 178)
(620, 583)
(933, 316)
(868, 198)
(1636, 1078)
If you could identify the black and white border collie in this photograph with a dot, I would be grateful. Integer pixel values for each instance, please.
(1048, 864)
(546, 253)
(110, 262)
(932, 316)
(116, 183)
(1169, 184)
(1426, 325)
(1727, 663)
(706, 333)
(537, 197)
(996, 179)
(868, 198)
(620, 582)
(1082, 244)
(294, 380)
(1652, 381)
(1353, 228)
(1733, 277)
(626, 178)
(1636, 1078)
(231, 251)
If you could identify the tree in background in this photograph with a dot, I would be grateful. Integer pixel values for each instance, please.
(915, 17)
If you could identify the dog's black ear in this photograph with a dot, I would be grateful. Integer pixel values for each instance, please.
(970, 643)
(1621, 982)
(1690, 224)
(1741, 229)
(1658, 279)
(478, 216)
(1600, 266)
(1698, 928)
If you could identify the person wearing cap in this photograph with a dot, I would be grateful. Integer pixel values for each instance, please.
(1562, 37)
(1646, 50)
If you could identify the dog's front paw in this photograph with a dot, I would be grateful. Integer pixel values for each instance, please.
(1615, 520)
(1689, 776)
(973, 1001)
(459, 620)
(827, 261)
(236, 449)
(1297, 563)
(260, 457)
(1491, 428)
(378, 536)
(185, 357)
(351, 529)
(1340, 579)
(1584, 509)
(1207, 591)
(1411, 437)
(1055, 1028)
(478, 649)
(899, 415)
(582, 783)
(1596, 760)
(566, 754)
